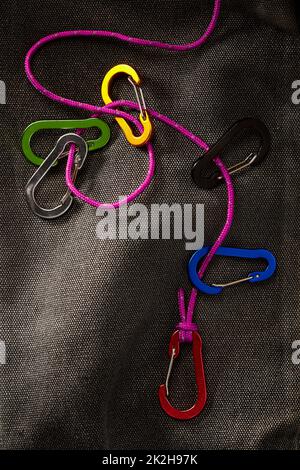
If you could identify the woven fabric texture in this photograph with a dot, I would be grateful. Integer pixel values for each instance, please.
(87, 322)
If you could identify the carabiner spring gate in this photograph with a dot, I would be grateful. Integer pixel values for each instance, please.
(163, 392)
(135, 80)
(253, 277)
(205, 161)
(43, 169)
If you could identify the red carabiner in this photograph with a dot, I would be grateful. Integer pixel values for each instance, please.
(163, 392)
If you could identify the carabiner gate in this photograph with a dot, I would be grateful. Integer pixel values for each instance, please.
(215, 289)
(163, 392)
(135, 80)
(205, 161)
(43, 169)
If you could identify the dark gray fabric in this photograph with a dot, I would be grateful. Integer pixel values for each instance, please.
(87, 322)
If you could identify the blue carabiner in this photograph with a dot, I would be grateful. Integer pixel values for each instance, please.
(215, 289)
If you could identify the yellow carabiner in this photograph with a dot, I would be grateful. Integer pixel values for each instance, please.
(135, 80)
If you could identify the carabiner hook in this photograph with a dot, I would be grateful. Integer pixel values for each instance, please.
(43, 169)
(205, 161)
(65, 124)
(215, 289)
(135, 80)
(163, 392)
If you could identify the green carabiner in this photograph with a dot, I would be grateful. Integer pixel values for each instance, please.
(66, 124)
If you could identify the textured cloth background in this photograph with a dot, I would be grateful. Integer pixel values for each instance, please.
(87, 322)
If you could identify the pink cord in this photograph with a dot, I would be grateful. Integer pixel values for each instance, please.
(186, 325)
(68, 102)
(70, 162)
(108, 110)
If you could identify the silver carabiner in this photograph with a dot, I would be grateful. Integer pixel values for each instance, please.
(43, 169)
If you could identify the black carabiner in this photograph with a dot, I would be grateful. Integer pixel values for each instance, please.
(205, 161)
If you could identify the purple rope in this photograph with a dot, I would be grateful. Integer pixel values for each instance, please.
(186, 325)
(97, 110)
(106, 110)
